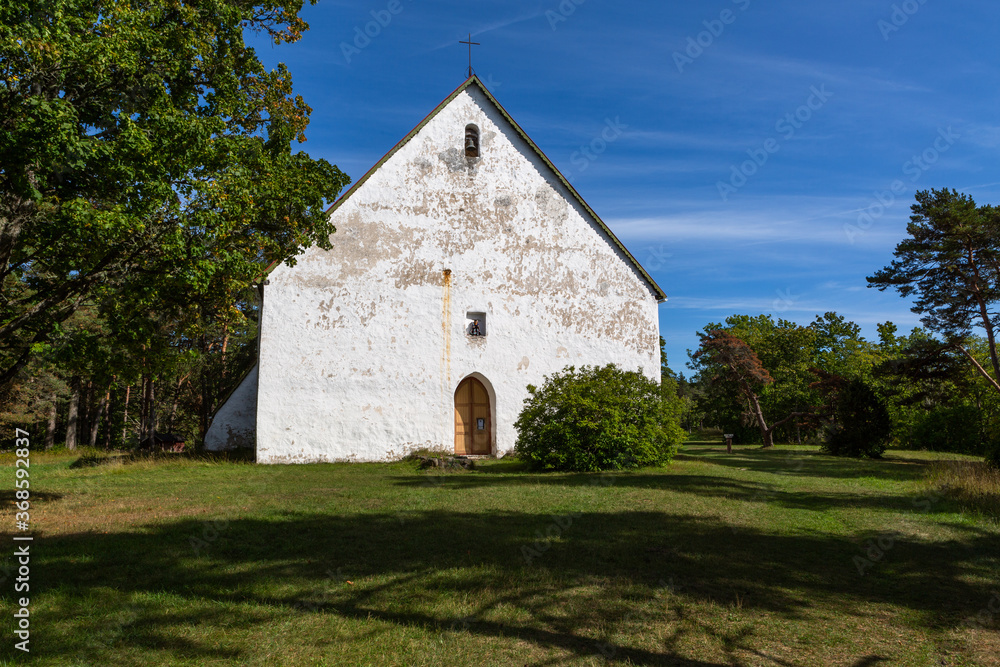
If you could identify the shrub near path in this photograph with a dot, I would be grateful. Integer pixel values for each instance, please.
(598, 418)
(714, 560)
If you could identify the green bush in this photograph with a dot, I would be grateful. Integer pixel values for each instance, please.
(598, 418)
(861, 426)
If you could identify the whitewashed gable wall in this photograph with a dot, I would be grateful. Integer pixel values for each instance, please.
(363, 346)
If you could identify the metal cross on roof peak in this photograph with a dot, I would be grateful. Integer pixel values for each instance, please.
(471, 44)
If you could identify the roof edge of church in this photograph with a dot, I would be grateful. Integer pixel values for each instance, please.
(660, 294)
(402, 142)
(657, 290)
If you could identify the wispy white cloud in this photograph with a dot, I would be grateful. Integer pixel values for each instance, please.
(745, 305)
(869, 78)
(489, 27)
(979, 185)
(721, 226)
(673, 139)
(987, 136)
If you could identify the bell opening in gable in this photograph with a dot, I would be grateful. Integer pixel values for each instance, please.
(471, 141)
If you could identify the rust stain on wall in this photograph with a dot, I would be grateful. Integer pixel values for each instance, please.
(446, 332)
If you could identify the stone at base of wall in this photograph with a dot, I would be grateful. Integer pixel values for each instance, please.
(446, 462)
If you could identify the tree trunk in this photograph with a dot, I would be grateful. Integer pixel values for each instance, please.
(128, 391)
(177, 397)
(147, 408)
(979, 367)
(72, 418)
(984, 314)
(758, 415)
(86, 410)
(225, 345)
(109, 417)
(143, 407)
(152, 407)
(95, 424)
(769, 439)
(50, 431)
(205, 407)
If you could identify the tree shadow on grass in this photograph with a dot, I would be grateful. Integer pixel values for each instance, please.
(801, 462)
(402, 567)
(92, 460)
(8, 497)
(707, 486)
(806, 463)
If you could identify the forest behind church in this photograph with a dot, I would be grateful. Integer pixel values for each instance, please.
(933, 399)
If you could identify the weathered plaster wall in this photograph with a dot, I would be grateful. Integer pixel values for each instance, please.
(363, 346)
(235, 421)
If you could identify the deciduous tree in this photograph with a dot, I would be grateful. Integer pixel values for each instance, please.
(145, 150)
(724, 358)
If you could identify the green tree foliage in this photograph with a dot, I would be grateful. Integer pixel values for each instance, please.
(786, 351)
(597, 418)
(146, 161)
(732, 366)
(676, 407)
(692, 397)
(934, 398)
(952, 427)
(950, 264)
(840, 348)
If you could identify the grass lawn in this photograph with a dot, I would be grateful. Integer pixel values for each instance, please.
(781, 557)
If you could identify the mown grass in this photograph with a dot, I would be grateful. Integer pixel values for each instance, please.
(779, 557)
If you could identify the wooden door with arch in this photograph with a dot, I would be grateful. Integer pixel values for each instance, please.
(473, 419)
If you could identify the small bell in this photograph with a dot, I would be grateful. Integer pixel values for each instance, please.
(470, 144)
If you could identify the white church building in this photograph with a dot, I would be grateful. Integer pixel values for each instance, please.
(464, 268)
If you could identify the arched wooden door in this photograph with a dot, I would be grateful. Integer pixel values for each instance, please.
(473, 422)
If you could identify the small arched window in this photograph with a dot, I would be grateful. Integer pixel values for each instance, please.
(471, 141)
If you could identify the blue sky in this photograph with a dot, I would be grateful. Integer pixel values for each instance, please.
(769, 151)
